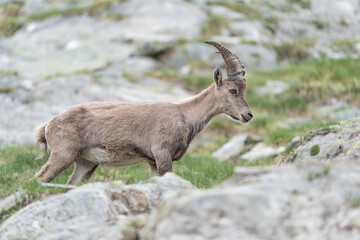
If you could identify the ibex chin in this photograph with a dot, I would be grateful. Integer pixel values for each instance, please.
(122, 134)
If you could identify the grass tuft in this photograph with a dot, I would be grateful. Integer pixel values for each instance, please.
(248, 10)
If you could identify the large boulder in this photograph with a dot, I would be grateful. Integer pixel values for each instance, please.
(298, 201)
(63, 46)
(92, 211)
(336, 143)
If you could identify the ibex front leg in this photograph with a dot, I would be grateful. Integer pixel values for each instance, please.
(163, 161)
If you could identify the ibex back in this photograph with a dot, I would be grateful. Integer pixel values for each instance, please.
(121, 134)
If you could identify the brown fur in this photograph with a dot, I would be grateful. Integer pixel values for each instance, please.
(155, 132)
(41, 140)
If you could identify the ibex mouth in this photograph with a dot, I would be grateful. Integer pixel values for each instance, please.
(236, 118)
(244, 118)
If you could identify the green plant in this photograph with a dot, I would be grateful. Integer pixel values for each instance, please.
(314, 150)
(8, 26)
(319, 24)
(293, 52)
(250, 11)
(214, 25)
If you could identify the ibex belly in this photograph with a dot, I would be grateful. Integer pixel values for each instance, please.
(111, 158)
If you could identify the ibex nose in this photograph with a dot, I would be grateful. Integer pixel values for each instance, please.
(250, 115)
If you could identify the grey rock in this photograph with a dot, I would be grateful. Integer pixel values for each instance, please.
(273, 87)
(336, 110)
(255, 56)
(135, 66)
(10, 201)
(250, 31)
(290, 122)
(92, 229)
(261, 150)
(339, 9)
(293, 30)
(225, 12)
(32, 7)
(234, 147)
(295, 141)
(92, 210)
(144, 22)
(65, 46)
(337, 143)
(312, 201)
(252, 55)
(231, 148)
(188, 53)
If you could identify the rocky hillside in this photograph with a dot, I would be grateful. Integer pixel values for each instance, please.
(302, 73)
(310, 200)
(58, 53)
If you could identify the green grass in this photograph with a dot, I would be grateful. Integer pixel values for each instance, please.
(193, 82)
(12, 19)
(344, 45)
(213, 25)
(250, 11)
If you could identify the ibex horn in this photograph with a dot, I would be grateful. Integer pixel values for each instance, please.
(234, 67)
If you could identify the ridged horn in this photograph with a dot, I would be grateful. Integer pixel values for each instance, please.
(234, 67)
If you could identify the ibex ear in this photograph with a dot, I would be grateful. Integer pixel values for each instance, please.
(218, 76)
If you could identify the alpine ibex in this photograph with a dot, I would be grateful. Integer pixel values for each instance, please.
(122, 134)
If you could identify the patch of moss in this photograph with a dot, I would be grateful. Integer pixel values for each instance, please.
(319, 24)
(197, 82)
(344, 45)
(129, 76)
(115, 16)
(315, 149)
(344, 22)
(94, 10)
(302, 3)
(271, 23)
(292, 51)
(12, 10)
(214, 25)
(250, 11)
(9, 25)
(98, 7)
(6, 89)
(353, 201)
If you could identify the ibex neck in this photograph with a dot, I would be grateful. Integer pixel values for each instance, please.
(199, 109)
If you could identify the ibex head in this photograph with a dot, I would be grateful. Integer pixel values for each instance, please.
(231, 91)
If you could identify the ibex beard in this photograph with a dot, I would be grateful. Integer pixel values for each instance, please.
(121, 134)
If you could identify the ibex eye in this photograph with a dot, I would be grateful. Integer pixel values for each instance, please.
(232, 91)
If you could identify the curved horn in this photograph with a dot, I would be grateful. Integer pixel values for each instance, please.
(234, 67)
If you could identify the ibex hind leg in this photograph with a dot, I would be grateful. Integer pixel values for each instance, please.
(58, 162)
(83, 170)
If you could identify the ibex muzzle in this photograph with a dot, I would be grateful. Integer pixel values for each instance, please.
(121, 134)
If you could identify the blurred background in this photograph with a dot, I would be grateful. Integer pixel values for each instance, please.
(300, 56)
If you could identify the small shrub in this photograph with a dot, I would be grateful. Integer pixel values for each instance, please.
(294, 52)
(302, 3)
(6, 90)
(8, 26)
(12, 10)
(344, 45)
(320, 24)
(344, 22)
(248, 10)
(315, 149)
(214, 25)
